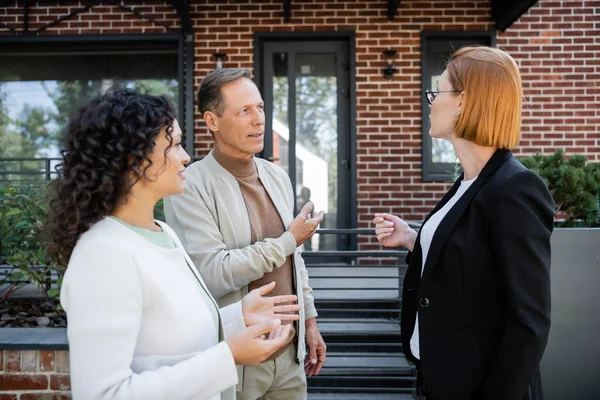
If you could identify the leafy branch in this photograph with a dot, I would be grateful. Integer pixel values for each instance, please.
(23, 253)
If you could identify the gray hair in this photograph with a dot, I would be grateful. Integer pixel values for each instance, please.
(209, 96)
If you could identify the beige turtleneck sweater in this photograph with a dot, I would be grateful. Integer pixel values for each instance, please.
(265, 221)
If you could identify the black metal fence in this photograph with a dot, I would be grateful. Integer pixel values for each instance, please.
(19, 170)
(27, 169)
(351, 274)
(335, 274)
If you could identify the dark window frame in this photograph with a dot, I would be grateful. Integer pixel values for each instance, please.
(116, 42)
(260, 38)
(429, 39)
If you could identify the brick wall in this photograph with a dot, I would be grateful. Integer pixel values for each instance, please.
(557, 46)
(100, 19)
(34, 375)
(556, 43)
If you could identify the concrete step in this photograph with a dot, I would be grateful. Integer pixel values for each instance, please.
(346, 291)
(389, 313)
(357, 347)
(355, 326)
(367, 364)
(348, 308)
(362, 281)
(380, 271)
(380, 303)
(362, 384)
(359, 396)
(364, 358)
(361, 335)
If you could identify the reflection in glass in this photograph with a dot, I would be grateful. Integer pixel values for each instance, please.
(33, 115)
(441, 150)
(316, 143)
(280, 111)
(35, 102)
(317, 139)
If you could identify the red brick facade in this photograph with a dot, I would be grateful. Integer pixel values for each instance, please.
(34, 375)
(556, 43)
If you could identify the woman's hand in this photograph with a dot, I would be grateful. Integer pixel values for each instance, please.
(392, 231)
(257, 343)
(257, 308)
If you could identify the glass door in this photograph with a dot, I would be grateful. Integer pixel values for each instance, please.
(307, 106)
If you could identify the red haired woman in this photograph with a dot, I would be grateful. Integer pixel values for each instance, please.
(476, 295)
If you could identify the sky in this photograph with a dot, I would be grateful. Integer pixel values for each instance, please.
(19, 93)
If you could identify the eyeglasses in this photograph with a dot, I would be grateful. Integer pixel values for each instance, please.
(430, 95)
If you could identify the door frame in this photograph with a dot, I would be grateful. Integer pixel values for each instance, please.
(260, 38)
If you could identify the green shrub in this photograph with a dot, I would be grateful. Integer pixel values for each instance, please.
(23, 210)
(574, 184)
(159, 211)
(23, 256)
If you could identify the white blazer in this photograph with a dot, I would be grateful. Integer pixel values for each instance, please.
(138, 325)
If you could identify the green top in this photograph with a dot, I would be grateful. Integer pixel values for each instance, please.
(162, 239)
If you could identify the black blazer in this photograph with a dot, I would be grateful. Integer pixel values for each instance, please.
(484, 297)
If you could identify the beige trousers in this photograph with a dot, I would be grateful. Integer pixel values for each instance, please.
(278, 379)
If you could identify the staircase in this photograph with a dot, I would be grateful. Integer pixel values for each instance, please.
(359, 318)
(364, 359)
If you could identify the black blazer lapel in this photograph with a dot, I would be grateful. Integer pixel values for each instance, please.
(451, 219)
(414, 259)
(440, 204)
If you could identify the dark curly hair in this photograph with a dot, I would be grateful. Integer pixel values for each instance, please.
(105, 152)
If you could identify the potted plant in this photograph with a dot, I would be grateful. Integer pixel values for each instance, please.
(574, 184)
(575, 273)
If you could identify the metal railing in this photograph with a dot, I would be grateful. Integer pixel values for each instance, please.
(368, 273)
(372, 273)
(33, 169)
(27, 169)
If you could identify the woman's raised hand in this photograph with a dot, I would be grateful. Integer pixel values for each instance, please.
(392, 231)
(257, 343)
(258, 308)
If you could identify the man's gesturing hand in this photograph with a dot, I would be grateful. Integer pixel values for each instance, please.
(305, 224)
(316, 348)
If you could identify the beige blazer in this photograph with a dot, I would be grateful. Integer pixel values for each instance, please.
(212, 221)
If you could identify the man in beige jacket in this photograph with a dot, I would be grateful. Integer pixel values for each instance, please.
(235, 219)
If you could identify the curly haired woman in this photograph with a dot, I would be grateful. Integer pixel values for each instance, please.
(141, 323)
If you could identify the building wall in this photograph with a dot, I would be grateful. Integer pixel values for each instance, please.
(34, 375)
(100, 19)
(556, 44)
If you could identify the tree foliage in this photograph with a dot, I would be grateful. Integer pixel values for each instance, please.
(23, 211)
(316, 120)
(9, 139)
(36, 131)
(574, 184)
(23, 208)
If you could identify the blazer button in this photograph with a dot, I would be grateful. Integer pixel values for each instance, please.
(424, 302)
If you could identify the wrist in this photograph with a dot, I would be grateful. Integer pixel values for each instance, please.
(311, 322)
(233, 350)
(411, 242)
